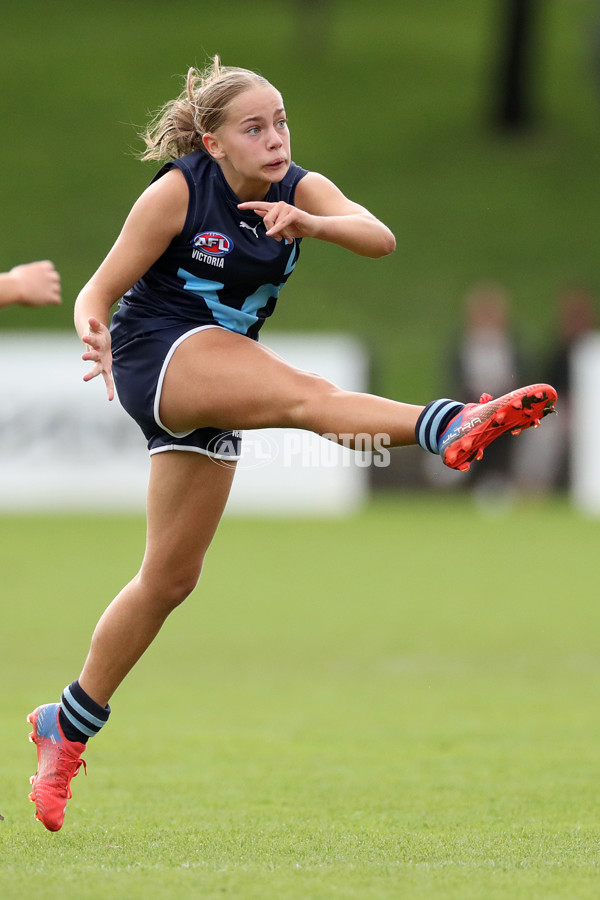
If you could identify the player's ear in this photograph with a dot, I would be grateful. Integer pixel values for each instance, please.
(212, 145)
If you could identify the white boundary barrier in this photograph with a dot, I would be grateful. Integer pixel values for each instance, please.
(585, 425)
(64, 447)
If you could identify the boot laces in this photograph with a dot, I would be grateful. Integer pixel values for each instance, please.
(66, 769)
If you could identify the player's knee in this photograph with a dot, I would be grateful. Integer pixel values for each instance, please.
(181, 588)
(170, 590)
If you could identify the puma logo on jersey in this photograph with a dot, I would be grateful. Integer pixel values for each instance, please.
(253, 229)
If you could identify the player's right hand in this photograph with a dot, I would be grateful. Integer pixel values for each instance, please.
(98, 341)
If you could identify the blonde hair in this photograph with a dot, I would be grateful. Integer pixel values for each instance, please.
(201, 108)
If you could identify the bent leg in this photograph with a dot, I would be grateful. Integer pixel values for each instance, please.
(225, 380)
(186, 497)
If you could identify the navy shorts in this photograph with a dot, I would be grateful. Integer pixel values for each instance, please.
(140, 362)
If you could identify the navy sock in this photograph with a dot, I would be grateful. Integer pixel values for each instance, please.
(79, 716)
(433, 421)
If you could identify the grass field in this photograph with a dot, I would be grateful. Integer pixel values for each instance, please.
(399, 704)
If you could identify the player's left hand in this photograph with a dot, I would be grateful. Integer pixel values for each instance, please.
(282, 221)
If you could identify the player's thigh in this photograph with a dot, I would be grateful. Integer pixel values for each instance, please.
(225, 380)
(187, 494)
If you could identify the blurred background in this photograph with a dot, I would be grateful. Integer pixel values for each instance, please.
(471, 127)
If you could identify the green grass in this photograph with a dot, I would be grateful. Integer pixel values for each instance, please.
(399, 704)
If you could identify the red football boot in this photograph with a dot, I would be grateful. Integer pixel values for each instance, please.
(478, 424)
(59, 760)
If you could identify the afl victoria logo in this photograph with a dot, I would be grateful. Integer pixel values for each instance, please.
(213, 243)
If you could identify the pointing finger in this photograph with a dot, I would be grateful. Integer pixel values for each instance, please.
(256, 205)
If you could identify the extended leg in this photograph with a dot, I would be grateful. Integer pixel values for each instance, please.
(228, 381)
(220, 379)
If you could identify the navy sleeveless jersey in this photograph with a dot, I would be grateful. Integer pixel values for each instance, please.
(222, 269)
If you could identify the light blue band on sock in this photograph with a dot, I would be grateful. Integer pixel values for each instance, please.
(85, 715)
(427, 434)
(76, 723)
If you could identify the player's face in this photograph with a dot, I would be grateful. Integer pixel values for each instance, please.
(253, 144)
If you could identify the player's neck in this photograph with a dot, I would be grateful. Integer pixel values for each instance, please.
(244, 188)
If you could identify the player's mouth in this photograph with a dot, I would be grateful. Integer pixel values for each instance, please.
(276, 164)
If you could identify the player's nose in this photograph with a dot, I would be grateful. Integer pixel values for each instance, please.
(274, 138)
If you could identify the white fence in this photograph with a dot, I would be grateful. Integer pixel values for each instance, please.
(64, 447)
(584, 425)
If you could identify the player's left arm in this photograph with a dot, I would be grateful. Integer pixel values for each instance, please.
(322, 211)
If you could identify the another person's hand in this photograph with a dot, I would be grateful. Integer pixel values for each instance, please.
(35, 284)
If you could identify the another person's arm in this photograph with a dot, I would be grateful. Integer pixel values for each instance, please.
(31, 284)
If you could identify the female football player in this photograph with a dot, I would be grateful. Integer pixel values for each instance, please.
(199, 265)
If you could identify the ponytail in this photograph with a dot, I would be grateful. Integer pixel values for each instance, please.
(201, 108)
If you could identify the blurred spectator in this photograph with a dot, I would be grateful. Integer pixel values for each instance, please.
(576, 317)
(547, 465)
(486, 358)
(32, 284)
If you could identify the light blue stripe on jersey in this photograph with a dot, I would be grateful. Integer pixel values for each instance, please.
(83, 713)
(291, 263)
(239, 320)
